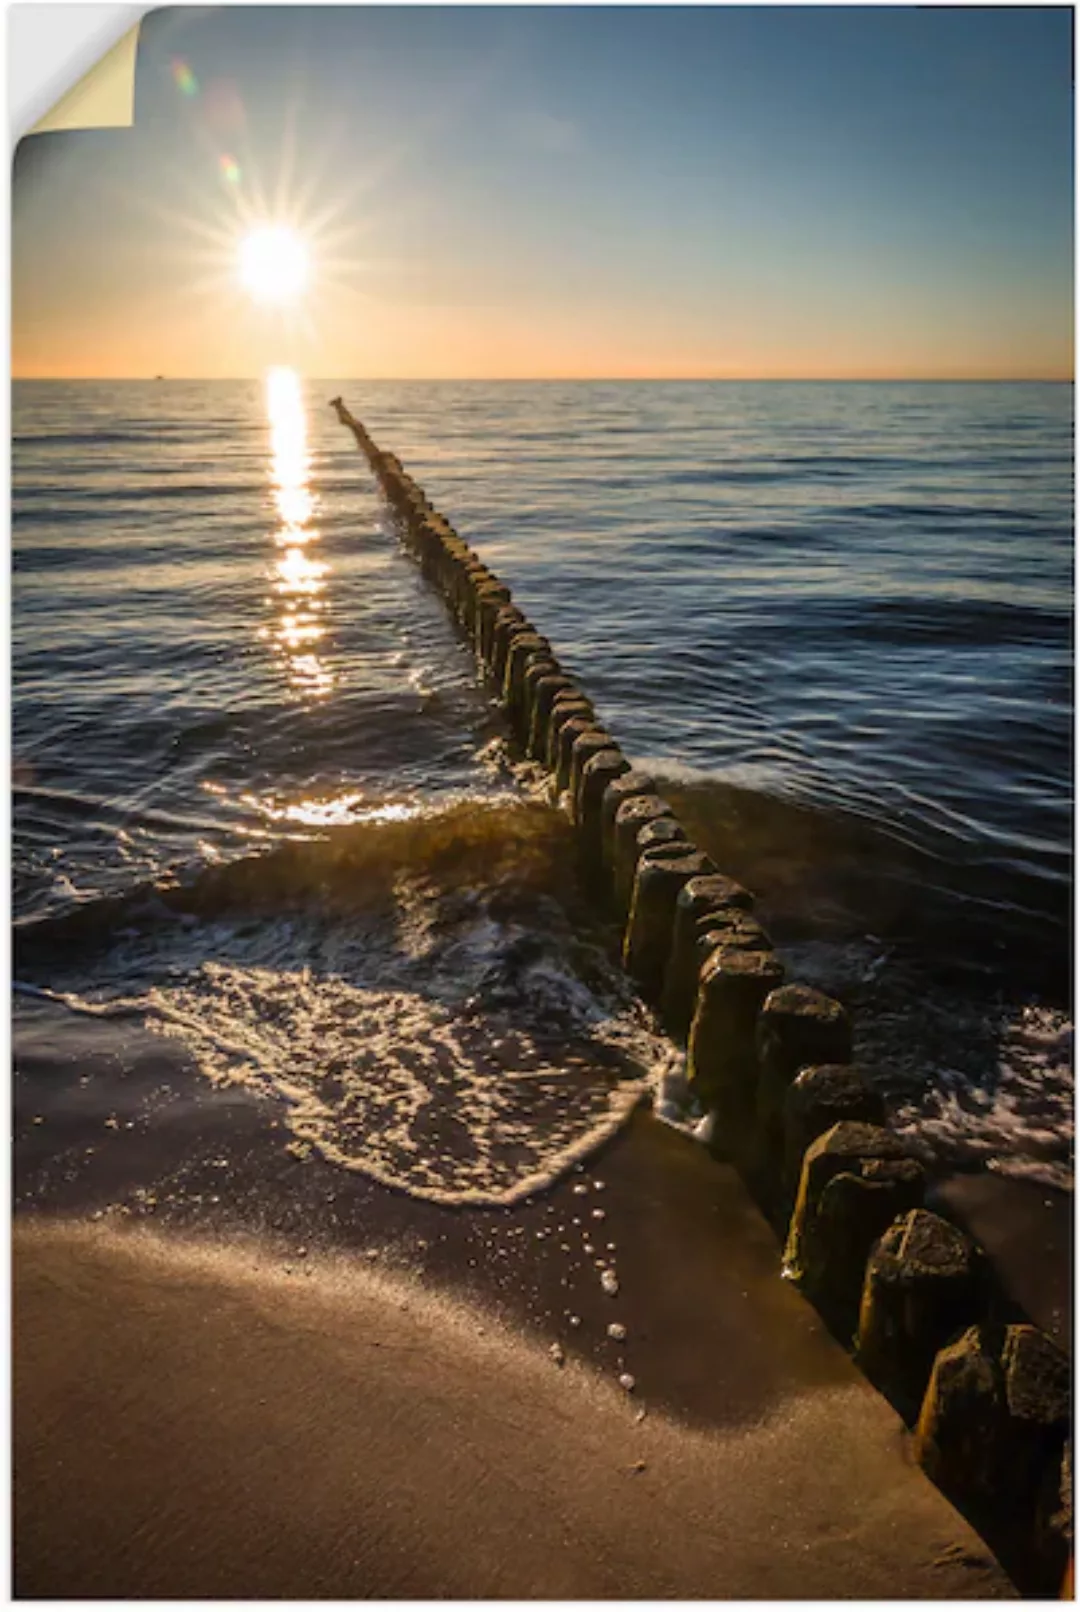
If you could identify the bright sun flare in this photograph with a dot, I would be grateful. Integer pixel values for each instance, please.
(273, 264)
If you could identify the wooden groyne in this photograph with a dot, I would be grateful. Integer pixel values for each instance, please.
(987, 1393)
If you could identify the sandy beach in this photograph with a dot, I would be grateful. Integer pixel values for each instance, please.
(200, 1420)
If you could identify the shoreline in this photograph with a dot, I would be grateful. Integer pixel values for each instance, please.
(158, 1144)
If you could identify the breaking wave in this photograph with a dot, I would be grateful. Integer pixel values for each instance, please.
(421, 997)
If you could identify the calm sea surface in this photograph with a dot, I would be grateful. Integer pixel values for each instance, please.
(263, 806)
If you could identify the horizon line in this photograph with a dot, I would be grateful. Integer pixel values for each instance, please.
(606, 380)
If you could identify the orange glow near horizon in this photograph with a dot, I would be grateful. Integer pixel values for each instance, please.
(386, 341)
(379, 333)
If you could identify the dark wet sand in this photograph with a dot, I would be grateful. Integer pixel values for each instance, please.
(193, 1422)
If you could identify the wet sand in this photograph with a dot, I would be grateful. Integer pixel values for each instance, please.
(115, 1122)
(131, 1135)
(194, 1422)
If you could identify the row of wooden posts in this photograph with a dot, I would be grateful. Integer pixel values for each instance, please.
(987, 1393)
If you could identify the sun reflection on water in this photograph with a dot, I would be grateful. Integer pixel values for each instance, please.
(337, 811)
(297, 578)
(344, 810)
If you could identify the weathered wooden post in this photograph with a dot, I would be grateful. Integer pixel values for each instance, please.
(721, 1055)
(699, 900)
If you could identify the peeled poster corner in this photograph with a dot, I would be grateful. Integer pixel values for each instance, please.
(101, 95)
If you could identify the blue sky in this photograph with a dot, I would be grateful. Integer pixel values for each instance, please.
(526, 191)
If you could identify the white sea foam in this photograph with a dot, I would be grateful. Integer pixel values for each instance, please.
(394, 1085)
(462, 1045)
(1020, 1122)
(966, 1079)
(673, 1102)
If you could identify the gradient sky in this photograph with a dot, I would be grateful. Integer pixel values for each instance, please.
(562, 191)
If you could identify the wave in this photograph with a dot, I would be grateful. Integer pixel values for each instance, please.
(347, 867)
(430, 1003)
(155, 491)
(925, 619)
(90, 438)
(922, 882)
(971, 1079)
(799, 467)
(423, 997)
(1019, 1121)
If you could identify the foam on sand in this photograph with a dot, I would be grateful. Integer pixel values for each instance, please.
(392, 1084)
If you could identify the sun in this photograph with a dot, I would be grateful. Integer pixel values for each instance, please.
(273, 264)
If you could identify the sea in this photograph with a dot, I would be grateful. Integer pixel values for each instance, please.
(268, 826)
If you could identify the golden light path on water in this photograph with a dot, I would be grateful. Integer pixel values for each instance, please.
(299, 588)
(298, 578)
